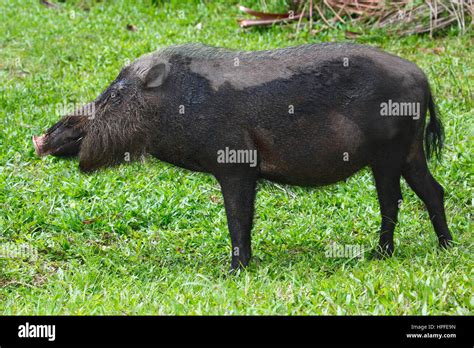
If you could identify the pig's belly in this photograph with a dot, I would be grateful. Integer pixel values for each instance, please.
(312, 154)
(317, 170)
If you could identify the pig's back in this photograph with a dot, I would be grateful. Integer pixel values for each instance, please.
(305, 108)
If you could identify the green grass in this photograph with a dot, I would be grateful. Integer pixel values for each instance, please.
(150, 238)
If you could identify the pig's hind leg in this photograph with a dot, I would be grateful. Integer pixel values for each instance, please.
(420, 180)
(386, 169)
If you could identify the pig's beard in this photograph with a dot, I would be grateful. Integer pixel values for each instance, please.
(114, 137)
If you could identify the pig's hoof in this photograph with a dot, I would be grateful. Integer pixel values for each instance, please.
(445, 242)
(233, 272)
(381, 252)
(237, 267)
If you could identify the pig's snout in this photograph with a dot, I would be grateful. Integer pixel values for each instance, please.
(38, 143)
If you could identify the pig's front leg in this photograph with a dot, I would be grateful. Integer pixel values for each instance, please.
(238, 189)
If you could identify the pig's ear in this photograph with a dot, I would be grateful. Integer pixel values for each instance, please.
(156, 75)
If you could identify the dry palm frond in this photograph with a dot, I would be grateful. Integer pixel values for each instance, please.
(401, 17)
(267, 18)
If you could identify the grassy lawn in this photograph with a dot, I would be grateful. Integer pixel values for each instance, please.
(150, 238)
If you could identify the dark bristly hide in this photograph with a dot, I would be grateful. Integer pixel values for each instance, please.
(312, 115)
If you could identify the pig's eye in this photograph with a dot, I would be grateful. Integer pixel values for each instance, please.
(115, 98)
